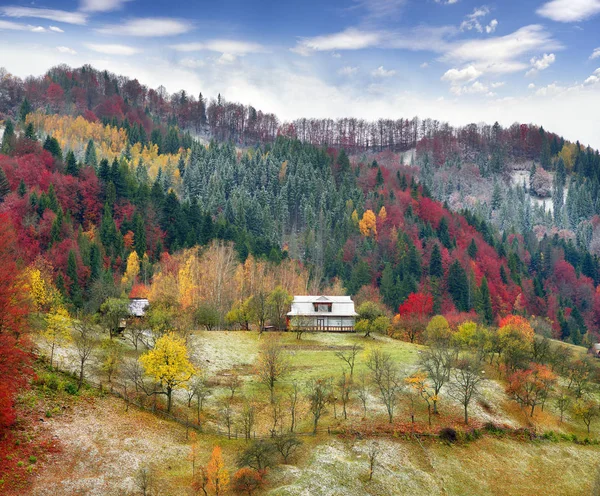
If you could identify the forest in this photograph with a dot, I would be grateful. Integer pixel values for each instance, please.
(219, 213)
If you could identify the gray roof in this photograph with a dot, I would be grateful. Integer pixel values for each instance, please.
(138, 306)
(322, 299)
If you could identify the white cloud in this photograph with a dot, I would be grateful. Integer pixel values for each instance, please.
(15, 26)
(227, 58)
(550, 90)
(472, 20)
(380, 72)
(491, 27)
(101, 5)
(113, 49)
(222, 46)
(595, 54)
(424, 65)
(56, 29)
(148, 27)
(381, 9)
(460, 76)
(347, 71)
(502, 54)
(540, 64)
(475, 88)
(50, 14)
(64, 49)
(38, 29)
(498, 84)
(350, 39)
(531, 86)
(446, 2)
(192, 63)
(593, 79)
(569, 10)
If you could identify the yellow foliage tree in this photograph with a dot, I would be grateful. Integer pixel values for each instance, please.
(168, 364)
(132, 270)
(58, 329)
(368, 224)
(382, 215)
(44, 293)
(355, 218)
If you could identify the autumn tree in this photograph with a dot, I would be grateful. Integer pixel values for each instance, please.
(371, 318)
(112, 312)
(58, 329)
(278, 304)
(587, 409)
(436, 362)
(272, 366)
(247, 480)
(368, 224)
(418, 383)
(168, 365)
(532, 386)
(260, 455)
(217, 474)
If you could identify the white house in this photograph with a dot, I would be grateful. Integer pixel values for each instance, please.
(322, 313)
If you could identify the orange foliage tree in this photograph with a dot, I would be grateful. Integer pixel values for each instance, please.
(218, 476)
(247, 480)
(531, 387)
(368, 224)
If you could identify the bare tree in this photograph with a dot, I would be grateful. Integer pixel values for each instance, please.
(199, 388)
(134, 333)
(233, 382)
(276, 416)
(286, 445)
(373, 455)
(344, 385)
(349, 357)
(293, 395)
(362, 391)
(248, 419)
(467, 380)
(387, 379)
(436, 362)
(226, 416)
(85, 339)
(318, 391)
(144, 480)
(272, 366)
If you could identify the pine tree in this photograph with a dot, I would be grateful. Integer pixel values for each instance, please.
(444, 234)
(4, 185)
(458, 286)
(8, 138)
(52, 145)
(485, 303)
(496, 196)
(30, 132)
(22, 189)
(91, 159)
(472, 249)
(24, 109)
(71, 161)
(435, 263)
(139, 235)
(379, 178)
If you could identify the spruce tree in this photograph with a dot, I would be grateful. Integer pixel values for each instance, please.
(22, 189)
(444, 234)
(472, 249)
(4, 185)
(71, 162)
(24, 109)
(485, 302)
(74, 288)
(30, 132)
(91, 158)
(8, 138)
(458, 286)
(435, 263)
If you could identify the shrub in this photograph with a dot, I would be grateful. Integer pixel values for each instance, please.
(551, 436)
(260, 455)
(71, 388)
(449, 435)
(494, 429)
(32, 459)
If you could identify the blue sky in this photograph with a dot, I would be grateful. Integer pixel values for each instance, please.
(456, 60)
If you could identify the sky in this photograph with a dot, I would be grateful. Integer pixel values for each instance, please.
(459, 61)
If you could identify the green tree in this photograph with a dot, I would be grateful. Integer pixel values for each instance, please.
(71, 168)
(435, 263)
(472, 249)
(278, 304)
(4, 185)
(485, 302)
(8, 138)
(458, 286)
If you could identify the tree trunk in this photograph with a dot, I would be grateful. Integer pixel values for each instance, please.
(169, 392)
(466, 415)
(80, 383)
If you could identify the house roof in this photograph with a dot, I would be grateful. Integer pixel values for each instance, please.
(138, 306)
(322, 298)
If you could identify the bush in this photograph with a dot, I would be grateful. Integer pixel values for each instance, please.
(449, 435)
(71, 388)
(51, 382)
(473, 435)
(32, 459)
(551, 436)
(260, 455)
(494, 429)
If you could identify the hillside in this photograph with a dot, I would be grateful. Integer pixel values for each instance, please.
(475, 305)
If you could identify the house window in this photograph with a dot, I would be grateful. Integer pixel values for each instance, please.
(322, 307)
